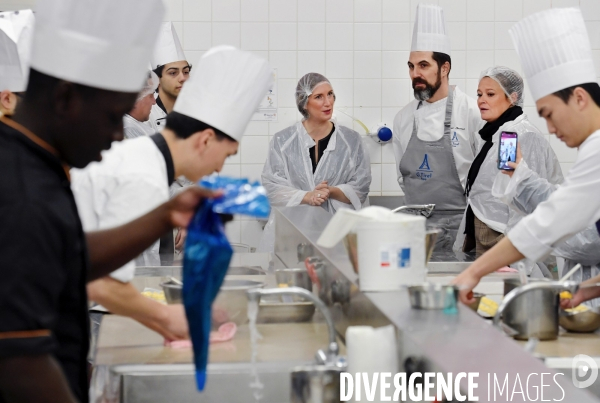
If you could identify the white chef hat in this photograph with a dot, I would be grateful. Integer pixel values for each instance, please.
(429, 33)
(554, 49)
(16, 30)
(102, 44)
(168, 48)
(225, 89)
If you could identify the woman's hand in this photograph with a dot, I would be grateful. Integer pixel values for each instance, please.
(318, 196)
(514, 165)
(337, 194)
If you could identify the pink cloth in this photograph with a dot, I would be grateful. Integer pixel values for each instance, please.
(226, 332)
(507, 269)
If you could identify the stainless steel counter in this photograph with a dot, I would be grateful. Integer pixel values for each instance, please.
(442, 343)
(133, 366)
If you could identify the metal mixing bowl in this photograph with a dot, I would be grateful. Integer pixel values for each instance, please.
(580, 322)
(231, 304)
(431, 296)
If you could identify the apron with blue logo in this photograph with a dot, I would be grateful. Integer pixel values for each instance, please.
(430, 176)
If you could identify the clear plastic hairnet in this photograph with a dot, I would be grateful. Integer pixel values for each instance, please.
(288, 176)
(486, 205)
(150, 85)
(304, 89)
(510, 81)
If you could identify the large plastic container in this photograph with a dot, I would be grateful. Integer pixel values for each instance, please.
(391, 253)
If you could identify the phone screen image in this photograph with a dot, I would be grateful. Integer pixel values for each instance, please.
(507, 150)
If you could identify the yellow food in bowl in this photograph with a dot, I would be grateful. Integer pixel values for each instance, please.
(158, 296)
(566, 295)
(580, 308)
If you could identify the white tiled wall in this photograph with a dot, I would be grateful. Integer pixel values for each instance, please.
(362, 46)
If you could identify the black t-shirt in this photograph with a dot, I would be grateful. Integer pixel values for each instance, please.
(43, 301)
(323, 143)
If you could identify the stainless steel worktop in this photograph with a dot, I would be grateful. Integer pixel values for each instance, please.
(440, 343)
(443, 343)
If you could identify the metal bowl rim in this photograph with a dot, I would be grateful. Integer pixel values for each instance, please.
(595, 310)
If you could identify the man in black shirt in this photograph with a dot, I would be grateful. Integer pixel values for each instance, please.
(72, 110)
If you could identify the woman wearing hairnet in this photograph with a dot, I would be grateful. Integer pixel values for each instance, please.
(500, 100)
(315, 162)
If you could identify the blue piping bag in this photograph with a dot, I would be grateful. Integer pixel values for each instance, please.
(208, 254)
(205, 263)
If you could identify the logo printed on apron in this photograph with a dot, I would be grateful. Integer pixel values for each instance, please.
(424, 172)
(455, 142)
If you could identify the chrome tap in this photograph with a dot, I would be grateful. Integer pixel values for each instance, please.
(329, 357)
(557, 286)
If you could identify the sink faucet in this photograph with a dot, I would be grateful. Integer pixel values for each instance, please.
(330, 357)
(558, 286)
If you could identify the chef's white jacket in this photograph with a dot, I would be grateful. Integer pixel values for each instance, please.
(571, 208)
(134, 128)
(157, 115)
(464, 127)
(130, 181)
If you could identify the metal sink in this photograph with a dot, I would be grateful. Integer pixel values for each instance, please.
(176, 383)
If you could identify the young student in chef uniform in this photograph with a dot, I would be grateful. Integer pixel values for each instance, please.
(136, 121)
(205, 128)
(523, 193)
(16, 29)
(557, 60)
(170, 65)
(73, 108)
(436, 135)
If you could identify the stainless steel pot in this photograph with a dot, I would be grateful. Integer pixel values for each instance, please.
(316, 384)
(531, 310)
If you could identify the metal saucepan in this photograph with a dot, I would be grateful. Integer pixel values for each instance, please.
(532, 309)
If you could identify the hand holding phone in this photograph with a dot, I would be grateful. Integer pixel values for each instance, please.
(507, 150)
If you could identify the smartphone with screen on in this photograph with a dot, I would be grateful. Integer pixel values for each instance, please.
(507, 150)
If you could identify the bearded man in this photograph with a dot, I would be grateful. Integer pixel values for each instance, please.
(436, 135)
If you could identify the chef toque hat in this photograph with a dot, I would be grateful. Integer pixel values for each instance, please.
(16, 30)
(102, 44)
(429, 33)
(168, 48)
(225, 89)
(554, 49)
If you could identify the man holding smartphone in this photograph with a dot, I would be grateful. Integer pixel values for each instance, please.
(556, 56)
